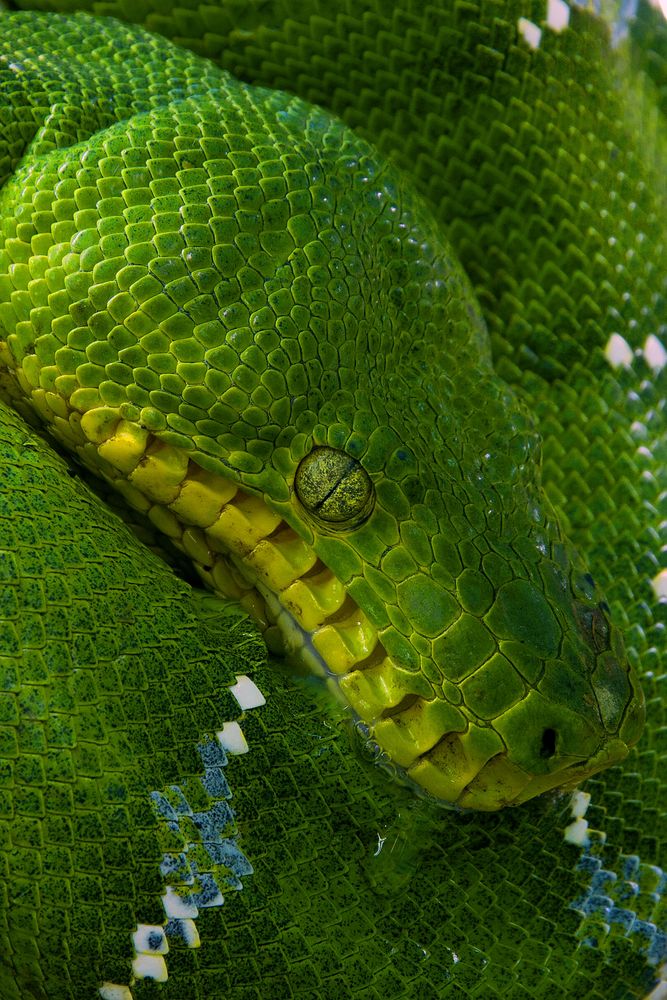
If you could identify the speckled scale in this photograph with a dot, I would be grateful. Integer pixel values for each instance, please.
(77, 846)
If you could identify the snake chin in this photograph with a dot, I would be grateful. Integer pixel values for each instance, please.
(499, 783)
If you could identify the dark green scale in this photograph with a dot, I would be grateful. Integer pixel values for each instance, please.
(106, 699)
(530, 161)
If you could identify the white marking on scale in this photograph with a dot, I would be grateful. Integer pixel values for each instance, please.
(577, 832)
(149, 939)
(247, 693)
(659, 584)
(178, 906)
(579, 803)
(655, 353)
(618, 352)
(150, 967)
(558, 15)
(531, 33)
(231, 738)
(111, 991)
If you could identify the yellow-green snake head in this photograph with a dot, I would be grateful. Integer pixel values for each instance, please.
(232, 308)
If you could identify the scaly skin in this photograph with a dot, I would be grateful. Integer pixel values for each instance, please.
(232, 281)
(245, 319)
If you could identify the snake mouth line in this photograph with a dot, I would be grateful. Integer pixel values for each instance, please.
(244, 550)
(241, 549)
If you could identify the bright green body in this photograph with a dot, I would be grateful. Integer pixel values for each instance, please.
(262, 285)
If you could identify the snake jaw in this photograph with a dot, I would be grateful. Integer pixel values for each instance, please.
(247, 549)
(250, 550)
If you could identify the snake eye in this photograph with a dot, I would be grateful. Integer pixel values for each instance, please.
(334, 488)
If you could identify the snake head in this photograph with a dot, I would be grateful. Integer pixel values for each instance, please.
(513, 681)
(241, 315)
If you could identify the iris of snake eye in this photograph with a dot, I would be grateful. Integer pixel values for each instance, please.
(334, 488)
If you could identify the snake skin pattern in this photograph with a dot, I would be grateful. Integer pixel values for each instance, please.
(177, 817)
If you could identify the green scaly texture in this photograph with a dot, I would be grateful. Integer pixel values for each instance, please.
(530, 163)
(237, 273)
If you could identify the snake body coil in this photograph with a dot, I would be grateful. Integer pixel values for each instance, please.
(255, 327)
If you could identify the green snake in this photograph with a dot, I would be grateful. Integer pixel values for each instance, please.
(360, 310)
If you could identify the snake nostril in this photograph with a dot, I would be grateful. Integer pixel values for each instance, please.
(548, 747)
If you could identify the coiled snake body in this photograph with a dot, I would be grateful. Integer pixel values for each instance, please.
(381, 396)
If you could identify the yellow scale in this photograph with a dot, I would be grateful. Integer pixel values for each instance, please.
(245, 551)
